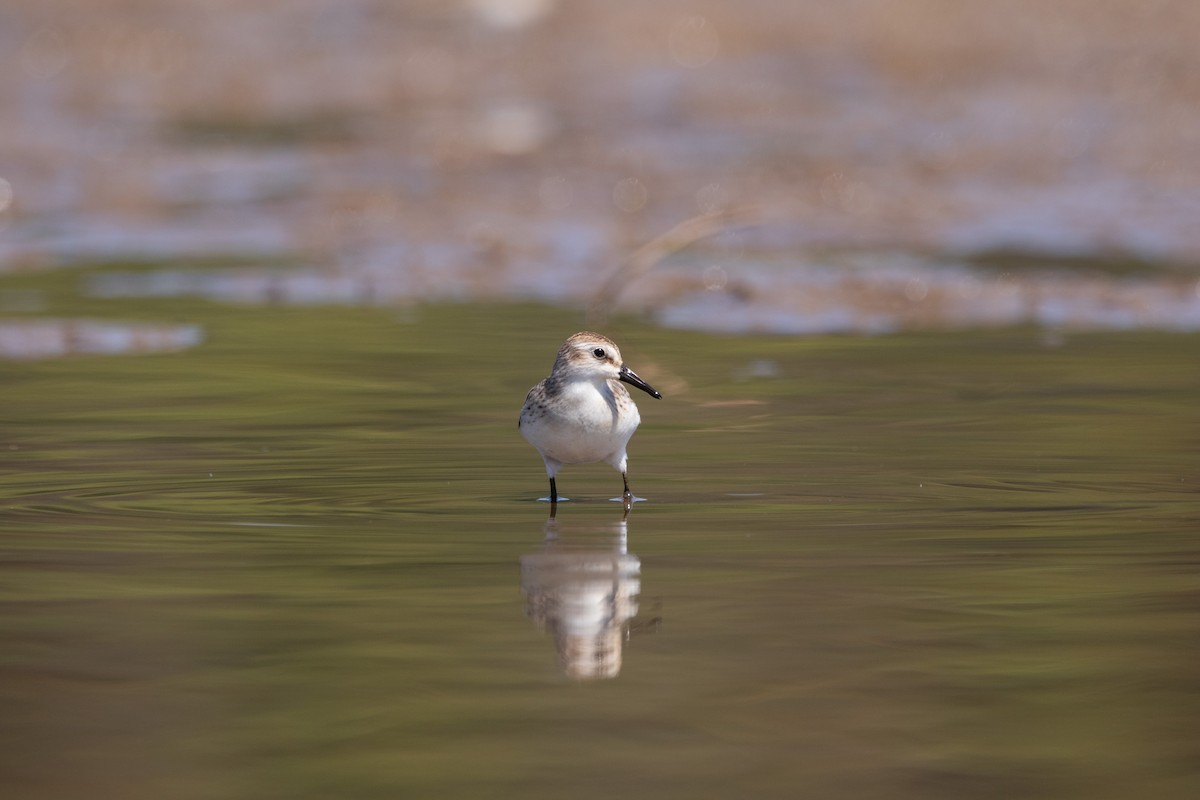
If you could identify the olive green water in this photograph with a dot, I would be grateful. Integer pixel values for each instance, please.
(288, 564)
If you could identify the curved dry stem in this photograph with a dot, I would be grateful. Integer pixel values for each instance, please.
(644, 259)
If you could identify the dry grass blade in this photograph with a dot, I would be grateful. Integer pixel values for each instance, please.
(654, 251)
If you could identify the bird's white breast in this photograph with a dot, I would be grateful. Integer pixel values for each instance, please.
(586, 421)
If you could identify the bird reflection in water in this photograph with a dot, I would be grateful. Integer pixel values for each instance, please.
(582, 588)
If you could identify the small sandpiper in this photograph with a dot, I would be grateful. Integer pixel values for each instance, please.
(581, 413)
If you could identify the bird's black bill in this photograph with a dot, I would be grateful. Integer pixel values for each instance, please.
(631, 377)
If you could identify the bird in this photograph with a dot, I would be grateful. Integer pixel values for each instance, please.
(581, 412)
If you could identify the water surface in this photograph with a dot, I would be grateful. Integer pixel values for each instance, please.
(305, 559)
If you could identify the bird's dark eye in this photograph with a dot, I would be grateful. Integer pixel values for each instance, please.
(598, 352)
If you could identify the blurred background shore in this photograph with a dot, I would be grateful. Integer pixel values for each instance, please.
(866, 166)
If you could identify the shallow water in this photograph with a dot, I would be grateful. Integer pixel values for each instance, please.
(305, 559)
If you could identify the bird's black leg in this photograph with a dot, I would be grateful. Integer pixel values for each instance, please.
(553, 491)
(628, 496)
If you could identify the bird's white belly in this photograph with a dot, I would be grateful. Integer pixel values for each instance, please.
(584, 424)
